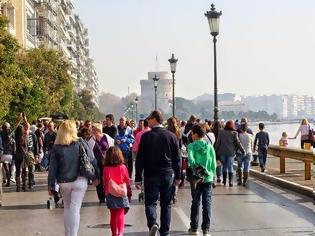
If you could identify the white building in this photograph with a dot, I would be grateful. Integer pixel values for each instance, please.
(285, 106)
(164, 92)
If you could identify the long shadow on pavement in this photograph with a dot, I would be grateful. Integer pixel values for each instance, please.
(173, 233)
(278, 199)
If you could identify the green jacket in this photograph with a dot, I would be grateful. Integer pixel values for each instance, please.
(202, 154)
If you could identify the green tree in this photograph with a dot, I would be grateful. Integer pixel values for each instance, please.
(52, 67)
(11, 77)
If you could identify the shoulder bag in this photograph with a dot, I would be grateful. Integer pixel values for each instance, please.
(117, 190)
(311, 137)
(86, 168)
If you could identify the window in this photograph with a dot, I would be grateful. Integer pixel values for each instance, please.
(31, 25)
(11, 15)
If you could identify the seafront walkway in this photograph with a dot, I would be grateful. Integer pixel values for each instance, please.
(294, 171)
(259, 209)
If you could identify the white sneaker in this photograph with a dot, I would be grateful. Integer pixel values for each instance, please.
(154, 229)
(192, 231)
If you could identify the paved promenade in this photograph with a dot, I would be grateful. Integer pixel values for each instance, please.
(259, 209)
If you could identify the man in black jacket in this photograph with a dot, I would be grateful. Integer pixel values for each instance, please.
(159, 159)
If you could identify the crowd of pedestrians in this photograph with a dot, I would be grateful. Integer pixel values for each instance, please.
(163, 154)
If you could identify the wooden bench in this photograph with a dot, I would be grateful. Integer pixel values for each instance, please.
(307, 156)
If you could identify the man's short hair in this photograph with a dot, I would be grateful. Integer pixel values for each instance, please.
(197, 129)
(156, 115)
(110, 116)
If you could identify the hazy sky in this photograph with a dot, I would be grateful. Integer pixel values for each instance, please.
(264, 46)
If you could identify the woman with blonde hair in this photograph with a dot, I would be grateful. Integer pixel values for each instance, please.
(304, 129)
(64, 169)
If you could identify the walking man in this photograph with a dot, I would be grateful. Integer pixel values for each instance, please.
(159, 160)
(124, 139)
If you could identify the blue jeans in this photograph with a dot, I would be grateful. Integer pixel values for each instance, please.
(153, 188)
(227, 162)
(243, 161)
(262, 155)
(204, 190)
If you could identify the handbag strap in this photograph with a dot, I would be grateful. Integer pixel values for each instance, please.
(209, 139)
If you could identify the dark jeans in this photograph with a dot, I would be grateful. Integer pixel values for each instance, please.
(203, 190)
(262, 155)
(100, 188)
(153, 188)
(227, 164)
(129, 163)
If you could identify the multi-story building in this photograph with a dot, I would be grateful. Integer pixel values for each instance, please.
(164, 92)
(285, 106)
(18, 13)
(51, 23)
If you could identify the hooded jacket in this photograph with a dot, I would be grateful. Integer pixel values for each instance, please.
(200, 153)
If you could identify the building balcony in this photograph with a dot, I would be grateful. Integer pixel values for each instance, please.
(31, 42)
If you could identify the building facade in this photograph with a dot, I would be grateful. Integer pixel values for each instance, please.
(18, 12)
(53, 24)
(285, 106)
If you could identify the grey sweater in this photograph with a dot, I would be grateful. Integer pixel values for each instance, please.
(228, 143)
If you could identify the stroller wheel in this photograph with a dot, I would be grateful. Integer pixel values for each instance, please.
(174, 200)
(140, 197)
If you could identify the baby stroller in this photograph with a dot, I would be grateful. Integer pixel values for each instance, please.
(184, 166)
(58, 201)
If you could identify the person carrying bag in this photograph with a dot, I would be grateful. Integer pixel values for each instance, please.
(117, 189)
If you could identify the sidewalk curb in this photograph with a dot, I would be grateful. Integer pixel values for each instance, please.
(283, 183)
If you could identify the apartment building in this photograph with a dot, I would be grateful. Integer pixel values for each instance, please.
(18, 13)
(285, 106)
(52, 23)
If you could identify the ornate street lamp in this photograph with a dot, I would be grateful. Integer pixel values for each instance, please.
(173, 63)
(214, 20)
(131, 106)
(136, 104)
(155, 79)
